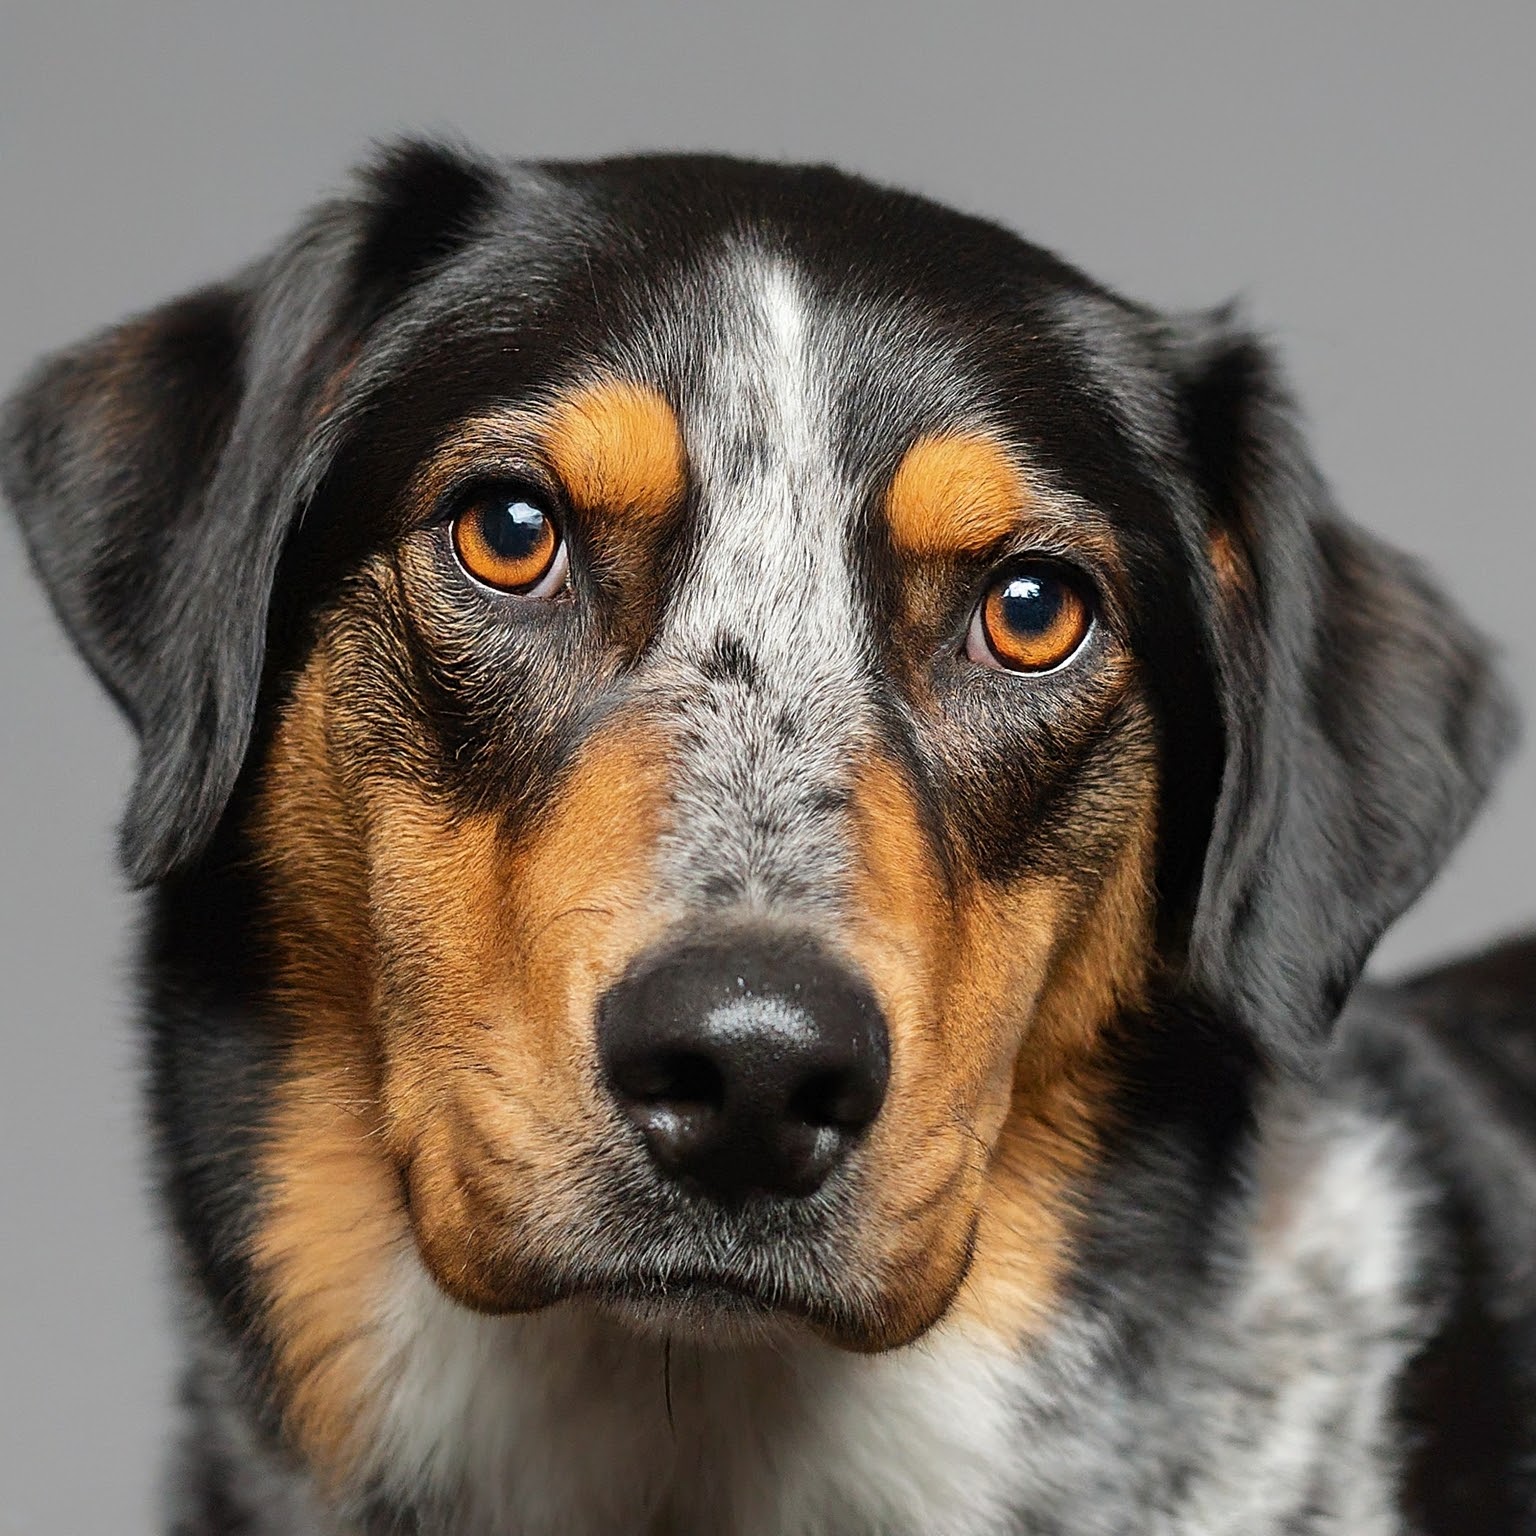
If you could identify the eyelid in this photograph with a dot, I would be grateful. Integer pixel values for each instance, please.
(528, 474)
(1078, 563)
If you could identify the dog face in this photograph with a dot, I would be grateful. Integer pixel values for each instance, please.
(736, 796)
(752, 701)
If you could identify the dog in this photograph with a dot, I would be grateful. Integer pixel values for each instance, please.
(763, 809)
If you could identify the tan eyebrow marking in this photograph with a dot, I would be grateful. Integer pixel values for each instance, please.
(955, 494)
(617, 448)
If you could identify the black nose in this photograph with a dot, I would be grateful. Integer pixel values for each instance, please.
(750, 1063)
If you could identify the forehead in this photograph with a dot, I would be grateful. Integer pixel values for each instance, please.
(782, 313)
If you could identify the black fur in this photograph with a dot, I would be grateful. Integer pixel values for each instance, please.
(1361, 718)
(158, 469)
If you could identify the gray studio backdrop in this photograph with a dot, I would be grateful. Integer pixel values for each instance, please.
(1361, 174)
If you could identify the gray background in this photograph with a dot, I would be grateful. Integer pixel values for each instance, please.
(1361, 173)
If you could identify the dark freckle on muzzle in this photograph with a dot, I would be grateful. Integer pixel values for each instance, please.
(750, 1062)
(729, 659)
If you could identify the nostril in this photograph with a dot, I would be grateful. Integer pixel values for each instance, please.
(672, 1077)
(833, 1100)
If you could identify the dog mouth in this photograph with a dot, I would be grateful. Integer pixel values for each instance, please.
(668, 1268)
(706, 1298)
(703, 1303)
(715, 1277)
(658, 1259)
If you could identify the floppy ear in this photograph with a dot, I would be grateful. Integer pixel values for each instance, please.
(1362, 719)
(157, 469)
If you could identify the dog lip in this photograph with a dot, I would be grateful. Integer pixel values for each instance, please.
(694, 1285)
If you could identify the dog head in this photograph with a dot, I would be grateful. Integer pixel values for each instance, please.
(751, 698)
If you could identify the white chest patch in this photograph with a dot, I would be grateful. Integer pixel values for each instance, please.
(565, 1422)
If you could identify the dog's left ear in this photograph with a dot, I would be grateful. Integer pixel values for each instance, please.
(157, 469)
(1362, 719)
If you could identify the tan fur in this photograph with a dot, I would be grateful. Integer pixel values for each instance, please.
(1061, 1086)
(530, 938)
(618, 449)
(1005, 1124)
(334, 1213)
(955, 495)
(440, 988)
(1228, 563)
(615, 448)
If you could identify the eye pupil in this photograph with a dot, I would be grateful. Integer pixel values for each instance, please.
(1031, 605)
(514, 530)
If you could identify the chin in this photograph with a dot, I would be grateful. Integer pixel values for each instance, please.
(703, 1313)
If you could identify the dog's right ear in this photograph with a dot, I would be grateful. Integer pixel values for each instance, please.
(157, 469)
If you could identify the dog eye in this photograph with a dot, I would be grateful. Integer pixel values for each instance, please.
(1032, 618)
(507, 538)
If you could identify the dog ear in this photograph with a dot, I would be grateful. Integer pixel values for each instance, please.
(1362, 719)
(157, 469)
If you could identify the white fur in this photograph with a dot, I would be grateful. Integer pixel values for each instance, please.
(1275, 1402)
(1324, 1322)
(771, 570)
(558, 1423)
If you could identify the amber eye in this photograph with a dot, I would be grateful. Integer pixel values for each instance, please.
(1032, 618)
(506, 537)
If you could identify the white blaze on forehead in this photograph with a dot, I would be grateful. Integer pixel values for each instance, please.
(767, 747)
(772, 559)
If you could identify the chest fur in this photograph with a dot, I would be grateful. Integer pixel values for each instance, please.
(564, 1423)
(1268, 1410)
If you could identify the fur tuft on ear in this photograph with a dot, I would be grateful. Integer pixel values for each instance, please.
(157, 469)
(1363, 721)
